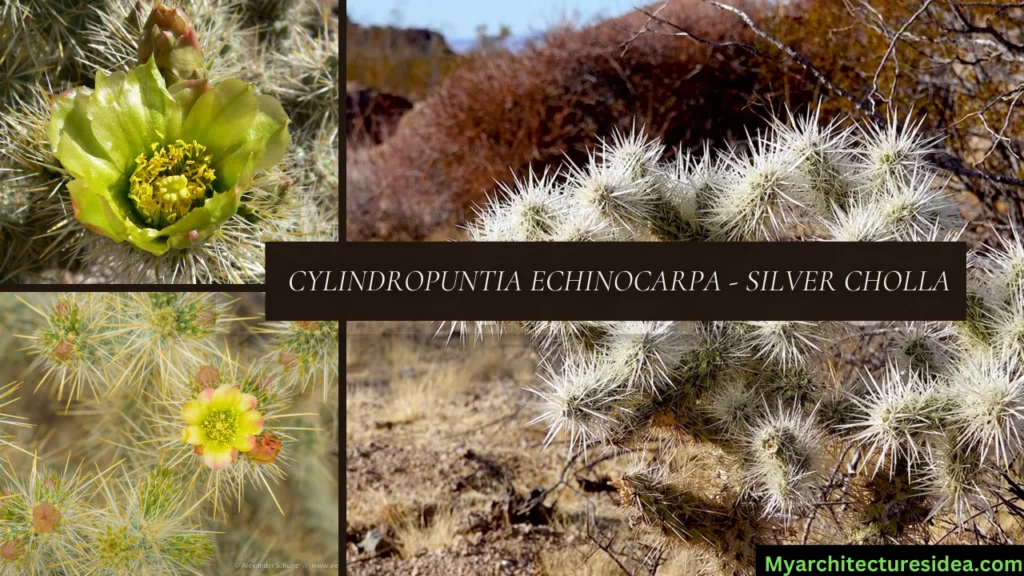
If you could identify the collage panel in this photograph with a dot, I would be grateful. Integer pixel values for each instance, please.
(166, 433)
(165, 142)
(678, 447)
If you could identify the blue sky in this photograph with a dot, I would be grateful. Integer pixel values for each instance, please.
(458, 19)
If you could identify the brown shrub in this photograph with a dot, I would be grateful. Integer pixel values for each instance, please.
(497, 116)
(957, 66)
(371, 115)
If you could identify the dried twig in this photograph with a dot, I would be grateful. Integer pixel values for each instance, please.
(888, 52)
(943, 160)
(606, 549)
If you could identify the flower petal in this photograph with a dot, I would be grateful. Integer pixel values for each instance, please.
(251, 423)
(205, 396)
(244, 443)
(193, 435)
(94, 211)
(147, 239)
(192, 412)
(61, 106)
(248, 402)
(264, 146)
(129, 112)
(203, 220)
(185, 93)
(77, 148)
(221, 118)
(226, 397)
(219, 457)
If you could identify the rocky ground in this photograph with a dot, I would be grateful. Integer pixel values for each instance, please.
(444, 476)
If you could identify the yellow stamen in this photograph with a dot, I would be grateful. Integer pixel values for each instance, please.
(167, 186)
(221, 426)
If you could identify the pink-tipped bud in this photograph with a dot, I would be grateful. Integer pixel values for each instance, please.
(206, 318)
(268, 446)
(207, 377)
(288, 359)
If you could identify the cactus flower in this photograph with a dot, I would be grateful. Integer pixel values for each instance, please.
(163, 167)
(220, 423)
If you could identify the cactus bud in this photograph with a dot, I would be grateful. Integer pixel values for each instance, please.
(45, 518)
(288, 359)
(206, 318)
(268, 445)
(207, 377)
(12, 550)
(63, 351)
(168, 37)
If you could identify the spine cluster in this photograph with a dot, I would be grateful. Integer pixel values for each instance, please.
(819, 431)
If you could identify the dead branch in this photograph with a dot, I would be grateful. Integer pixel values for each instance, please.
(944, 160)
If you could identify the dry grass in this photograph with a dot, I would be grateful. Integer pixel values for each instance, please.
(415, 407)
(583, 561)
(367, 508)
(430, 530)
(412, 525)
(415, 395)
(689, 561)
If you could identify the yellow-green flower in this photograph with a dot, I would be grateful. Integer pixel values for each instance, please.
(163, 166)
(221, 423)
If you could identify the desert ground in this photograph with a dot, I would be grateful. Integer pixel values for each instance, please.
(445, 476)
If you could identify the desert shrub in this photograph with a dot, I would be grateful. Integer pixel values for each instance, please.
(496, 116)
(957, 65)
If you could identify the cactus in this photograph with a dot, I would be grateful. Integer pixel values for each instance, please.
(899, 428)
(183, 194)
(150, 425)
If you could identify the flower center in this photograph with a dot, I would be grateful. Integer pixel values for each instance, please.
(221, 426)
(167, 186)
